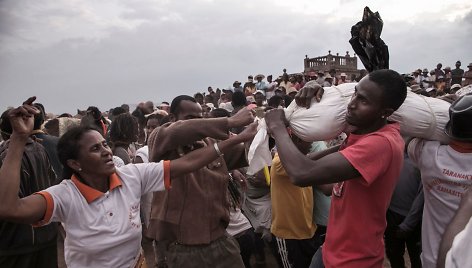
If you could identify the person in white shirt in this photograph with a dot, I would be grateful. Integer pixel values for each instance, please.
(445, 174)
(99, 205)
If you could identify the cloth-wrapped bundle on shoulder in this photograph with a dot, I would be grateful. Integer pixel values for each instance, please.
(419, 116)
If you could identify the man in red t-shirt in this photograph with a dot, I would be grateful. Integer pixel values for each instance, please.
(364, 169)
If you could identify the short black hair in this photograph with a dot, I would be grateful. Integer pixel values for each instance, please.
(5, 125)
(174, 107)
(124, 129)
(68, 147)
(118, 110)
(39, 117)
(393, 86)
(239, 99)
(219, 112)
(275, 101)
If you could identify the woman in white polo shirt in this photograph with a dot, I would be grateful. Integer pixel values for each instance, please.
(99, 205)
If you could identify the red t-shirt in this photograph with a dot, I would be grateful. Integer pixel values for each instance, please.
(357, 221)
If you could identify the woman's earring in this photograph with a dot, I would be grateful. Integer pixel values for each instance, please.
(79, 170)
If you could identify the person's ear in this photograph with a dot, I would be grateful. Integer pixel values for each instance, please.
(172, 118)
(387, 112)
(74, 165)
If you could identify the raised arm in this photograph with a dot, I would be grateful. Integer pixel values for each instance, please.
(185, 132)
(302, 170)
(458, 223)
(30, 209)
(203, 156)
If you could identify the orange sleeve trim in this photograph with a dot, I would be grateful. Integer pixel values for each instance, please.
(49, 209)
(167, 181)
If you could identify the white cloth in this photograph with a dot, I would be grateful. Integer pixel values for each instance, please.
(445, 174)
(237, 222)
(118, 161)
(465, 90)
(459, 255)
(259, 212)
(143, 153)
(419, 116)
(146, 199)
(107, 231)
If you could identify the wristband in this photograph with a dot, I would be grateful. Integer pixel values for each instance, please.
(217, 149)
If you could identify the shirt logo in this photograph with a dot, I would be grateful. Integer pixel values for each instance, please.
(338, 189)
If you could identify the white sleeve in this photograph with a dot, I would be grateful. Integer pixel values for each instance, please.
(58, 202)
(414, 150)
(152, 176)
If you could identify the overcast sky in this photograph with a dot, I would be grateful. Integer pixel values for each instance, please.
(77, 53)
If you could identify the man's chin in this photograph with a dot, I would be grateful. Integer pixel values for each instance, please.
(348, 128)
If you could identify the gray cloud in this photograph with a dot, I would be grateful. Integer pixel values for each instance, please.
(181, 47)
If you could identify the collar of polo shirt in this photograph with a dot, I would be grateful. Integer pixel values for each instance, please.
(90, 194)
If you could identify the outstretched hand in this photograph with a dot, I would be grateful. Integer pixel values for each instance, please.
(275, 118)
(243, 117)
(307, 93)
(22, 118)
(248, 133)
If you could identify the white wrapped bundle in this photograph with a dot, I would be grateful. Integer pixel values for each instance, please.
(423, 117)
(324, 120)
(419, 116)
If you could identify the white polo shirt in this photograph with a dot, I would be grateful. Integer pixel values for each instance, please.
(104, 229)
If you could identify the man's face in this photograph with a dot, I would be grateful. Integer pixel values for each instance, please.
(259, 79)
(149, 107)
(366, 105)
(439, 66)
(199, 98)
(260, 98)
(189, 110)
(269, 79)
(458, 64)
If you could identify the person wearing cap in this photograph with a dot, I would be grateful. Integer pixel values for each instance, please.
(445, 175)
(456, 74)
(417, 75)
(259, 98)
(328, 81)
(468, 76)
(261, 85)
(424, 79)
(237, 86)
(342, 79)
(293, 80)
(455, 88)
(440, 85)
(249, 88)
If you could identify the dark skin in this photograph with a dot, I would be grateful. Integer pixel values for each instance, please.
(94, 163)
(366, 113)
(457, 224)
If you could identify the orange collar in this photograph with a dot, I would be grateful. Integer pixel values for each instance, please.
(91, 194)
(461, 147)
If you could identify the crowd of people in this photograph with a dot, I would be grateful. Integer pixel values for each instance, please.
(177, 174)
